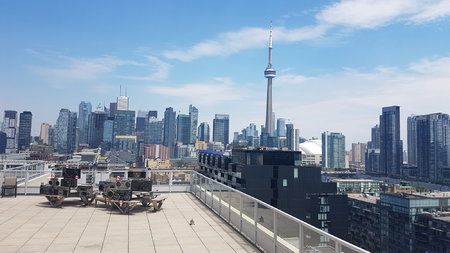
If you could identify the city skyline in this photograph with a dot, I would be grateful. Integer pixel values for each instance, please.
(338, 63)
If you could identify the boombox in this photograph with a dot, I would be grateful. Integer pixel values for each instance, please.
(141, 185)
(123, 184)
(104, 185)
(69, 182)
(71, 173)
(122, 195)
(85, 190)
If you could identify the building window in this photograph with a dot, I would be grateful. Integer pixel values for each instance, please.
(284, 182)
(295, 172)
(323, 200)
(324, 209)
(322, 216)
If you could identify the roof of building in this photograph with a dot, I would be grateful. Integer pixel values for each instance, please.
(364, 197)
(29, 224)
(311, 147)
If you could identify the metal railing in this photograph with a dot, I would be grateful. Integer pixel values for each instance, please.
(267, 227)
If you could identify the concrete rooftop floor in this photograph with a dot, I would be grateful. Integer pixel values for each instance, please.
(29, 224)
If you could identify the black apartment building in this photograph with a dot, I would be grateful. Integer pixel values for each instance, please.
(276, 177)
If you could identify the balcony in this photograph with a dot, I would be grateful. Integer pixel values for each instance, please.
(223, 218)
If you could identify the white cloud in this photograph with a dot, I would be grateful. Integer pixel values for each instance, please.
(439, 66)
(355, 14)
(218, 91)
(160, 69)
(291, 79)
(246, 38)
(354, 106)
(63, 69)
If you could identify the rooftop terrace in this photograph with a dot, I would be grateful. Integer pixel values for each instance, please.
(28, 224)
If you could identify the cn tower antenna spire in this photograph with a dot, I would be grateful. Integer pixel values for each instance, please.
(270, 47)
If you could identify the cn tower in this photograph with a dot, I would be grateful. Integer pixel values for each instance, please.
(269, 73)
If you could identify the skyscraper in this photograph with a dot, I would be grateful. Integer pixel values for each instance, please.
(124, 125)
(203, 132)
(43, 135)
(2, 142)
(10, 129)
(281, 127)
(65, 132)
(391, 147)
(290, 137)
(221, 128)
(183, 128)
(269, 73)
(375, 141)
(193, 114)
(96, 128)
(154, 131)
(152, 114)
(122, 103)
(333, 150)
(84, 109)
(358, 153)
(170, 130)
(24, 137)
(428, 142)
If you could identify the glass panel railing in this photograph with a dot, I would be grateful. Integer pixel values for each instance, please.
(248, 214)
(235, 209)
(314, 241)
(265, 226)
(288, 233)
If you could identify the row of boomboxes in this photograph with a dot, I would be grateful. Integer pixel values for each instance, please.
(82, 190)
(123, 189)
(55, 187)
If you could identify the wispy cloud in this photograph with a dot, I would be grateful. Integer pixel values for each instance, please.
(354, 14)
(361, 95)
(217, 91)
(246, 38)
(63, 69)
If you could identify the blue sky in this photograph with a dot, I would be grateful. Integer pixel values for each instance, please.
(338, 62)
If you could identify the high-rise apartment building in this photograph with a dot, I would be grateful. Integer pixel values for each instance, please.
(193, 114)
(358, 153)
(43, 135)
(154, 131)
(290, 137)
(170, 130)
(391, 147)
(428, 144)
(65, 131)
(203, 132)
(184, 128)
(333, 150)
(375, 138)
(84, 110)
(24, 136)
(221, 128)
(281, 127)
(10, 129)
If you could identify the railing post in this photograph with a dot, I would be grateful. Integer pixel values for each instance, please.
(275, 231)
(229, 205)
(240, 211)
(338, 247)
(170, 181)
(26, 180)
(220, 200)
(300, 238)
(255, 220)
